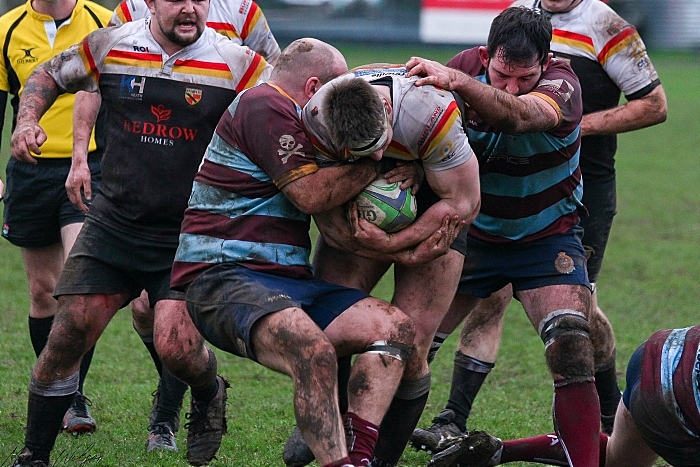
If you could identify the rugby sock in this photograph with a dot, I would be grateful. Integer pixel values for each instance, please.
(344, 462)
(543, 449)
(147, 339)
(468, 375)
(400, 420)
(39, 329)
(84, 367)
(438, 340)
(46, 405)
(576, 413)
(608, 392)
(171, 393)
(361, 437)
(207, 385)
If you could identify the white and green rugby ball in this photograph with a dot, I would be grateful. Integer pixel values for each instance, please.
(386, 205)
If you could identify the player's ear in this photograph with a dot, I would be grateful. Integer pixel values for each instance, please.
(547, 61)
(312, 86)
(484, 56)
(150, 5)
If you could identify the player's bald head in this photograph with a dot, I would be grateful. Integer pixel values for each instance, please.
(308, 57)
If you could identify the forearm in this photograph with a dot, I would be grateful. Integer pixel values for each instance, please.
(85, 110)
(509, 113)
(633, 115)
(331, 187)
(39, 93)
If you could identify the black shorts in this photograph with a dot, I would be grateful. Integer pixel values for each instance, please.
(227, 300)
(104, 260)
(600, 198)
(36, 202)
(556, 260)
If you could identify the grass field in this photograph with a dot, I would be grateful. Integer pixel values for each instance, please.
(649, 282)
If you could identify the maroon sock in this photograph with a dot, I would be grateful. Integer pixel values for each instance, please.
(545, 449)
(361, 437)
(344, 462)
(603, 445)
(577, 422)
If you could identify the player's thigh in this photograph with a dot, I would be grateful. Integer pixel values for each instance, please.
(540, 302)
(69, 233)
(425, 292)
(289, 340)
(43, 268)
(347, 269)
(368, 321)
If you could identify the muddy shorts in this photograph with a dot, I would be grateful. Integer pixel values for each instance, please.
(600, 199)
(227, 300)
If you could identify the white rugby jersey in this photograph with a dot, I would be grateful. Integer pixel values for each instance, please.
(594, 31)
(242, 21)
(426, 121)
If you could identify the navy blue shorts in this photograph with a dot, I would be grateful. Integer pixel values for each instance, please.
(36, 202)
(557, 260)
(226, 301)
(600, 199)
(106, 261)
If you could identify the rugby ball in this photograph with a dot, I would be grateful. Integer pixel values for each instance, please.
(386, 205)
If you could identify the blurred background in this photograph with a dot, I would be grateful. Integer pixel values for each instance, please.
(664, 24)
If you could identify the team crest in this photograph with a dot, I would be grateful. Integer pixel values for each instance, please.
(564, 264)
(193, 95)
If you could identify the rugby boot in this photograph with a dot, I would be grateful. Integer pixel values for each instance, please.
(296, 452)
(441, 434)
(477, 449)
(77, 419)
(206, 426)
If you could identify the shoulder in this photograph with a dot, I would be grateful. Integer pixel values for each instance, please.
(11, 17)
(468, 62)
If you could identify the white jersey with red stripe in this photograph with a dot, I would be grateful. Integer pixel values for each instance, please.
(162, 112)
(595, 31)
(242, 21)
(426, 122)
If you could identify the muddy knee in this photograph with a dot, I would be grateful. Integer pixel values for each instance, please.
(568, 347)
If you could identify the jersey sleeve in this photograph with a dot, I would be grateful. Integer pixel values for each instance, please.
(248, 67)
(129, 10)
(560, 87)
(256, 33)
(78, 68)
(624, 58)
(437, 123)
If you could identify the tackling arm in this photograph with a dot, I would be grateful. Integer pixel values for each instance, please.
(646, 111)
(330, 187)
(511, 114)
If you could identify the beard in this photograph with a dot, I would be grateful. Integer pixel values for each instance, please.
(183, 41)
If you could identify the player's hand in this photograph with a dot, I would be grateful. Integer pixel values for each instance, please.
(432, 72)
(27, 139)
(433, 247)
(78, 183)
(410, 174)
(367, 235)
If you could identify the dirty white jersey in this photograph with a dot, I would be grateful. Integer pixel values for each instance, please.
(426, 121)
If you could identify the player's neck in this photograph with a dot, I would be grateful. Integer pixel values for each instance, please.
(57, 9)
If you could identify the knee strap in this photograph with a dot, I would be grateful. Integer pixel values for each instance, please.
(391, 349)
(62, 387)
(568, 348)
(410, 390)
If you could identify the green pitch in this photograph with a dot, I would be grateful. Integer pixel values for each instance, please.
(649, 281)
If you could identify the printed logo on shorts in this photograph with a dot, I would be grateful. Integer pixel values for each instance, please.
(5, 229)
(564, 264)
